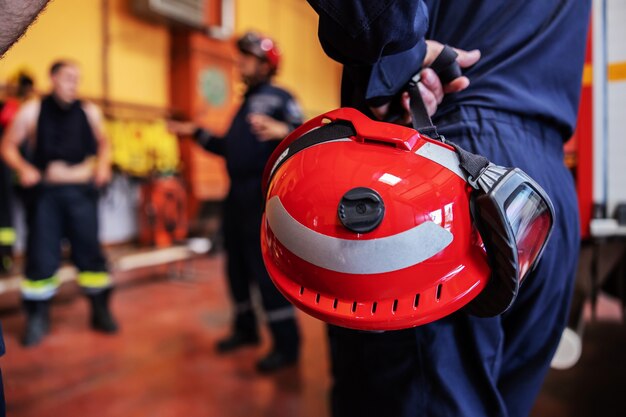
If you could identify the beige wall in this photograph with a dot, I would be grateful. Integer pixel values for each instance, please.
(67, 29)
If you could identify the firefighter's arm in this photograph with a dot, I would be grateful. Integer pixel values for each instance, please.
(203, 137)
(390, 37)
(18, 131)
(102, 174)
(267, 128)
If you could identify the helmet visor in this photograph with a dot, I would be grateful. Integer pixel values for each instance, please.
(514, 216)
(530, 218)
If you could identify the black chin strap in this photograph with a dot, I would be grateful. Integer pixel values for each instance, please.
(421, 120)
(447, 69)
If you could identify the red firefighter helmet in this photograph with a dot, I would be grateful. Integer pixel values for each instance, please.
(367, 225)
(260, 46)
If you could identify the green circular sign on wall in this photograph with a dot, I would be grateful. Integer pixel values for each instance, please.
(213, 86)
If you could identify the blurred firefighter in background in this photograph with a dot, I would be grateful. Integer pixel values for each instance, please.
(20, 89)
(267, 114)
(68, 160)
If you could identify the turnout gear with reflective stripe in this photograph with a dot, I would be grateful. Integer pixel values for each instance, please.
(7, 236)
(90, 280)
(58, 212)
(41, 289)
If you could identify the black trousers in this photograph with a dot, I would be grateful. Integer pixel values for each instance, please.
(52, 214)
(245, 267)
(7, 232)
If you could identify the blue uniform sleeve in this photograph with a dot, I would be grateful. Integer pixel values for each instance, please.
(209, 142)
(384, 37)
(292, 113)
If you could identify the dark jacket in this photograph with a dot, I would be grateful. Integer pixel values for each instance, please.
(531, 62)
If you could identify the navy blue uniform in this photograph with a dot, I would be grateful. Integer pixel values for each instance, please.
(519, 109)
(245, 158)
(55, 212)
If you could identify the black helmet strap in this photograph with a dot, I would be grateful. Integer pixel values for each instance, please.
(447, 68)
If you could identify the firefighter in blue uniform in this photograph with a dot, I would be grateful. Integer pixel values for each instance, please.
(69, 159)
(519, 108)
(267, 114)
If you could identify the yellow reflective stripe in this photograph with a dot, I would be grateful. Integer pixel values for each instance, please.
(90, 279)
(7, 236)
(40, 285)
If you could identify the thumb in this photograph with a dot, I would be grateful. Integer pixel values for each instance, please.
(467, 58)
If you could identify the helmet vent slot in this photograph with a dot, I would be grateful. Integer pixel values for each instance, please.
(317, 298)
(374, 304)
(416, 301)
(335, 304)
(395, 306)
(439, 291)
(301, 290)
(354, 307)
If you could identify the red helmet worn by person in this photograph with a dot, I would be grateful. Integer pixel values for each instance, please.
(260, 46)
(374, 226)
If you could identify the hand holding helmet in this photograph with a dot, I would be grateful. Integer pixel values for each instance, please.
(375, 226)
(433, 84)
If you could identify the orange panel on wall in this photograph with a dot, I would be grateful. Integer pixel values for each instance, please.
(203, 75)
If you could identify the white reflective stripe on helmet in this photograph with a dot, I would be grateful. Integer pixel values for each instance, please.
(371, 256)
(447, 158)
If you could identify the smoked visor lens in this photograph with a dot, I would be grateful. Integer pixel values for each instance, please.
(530, 218)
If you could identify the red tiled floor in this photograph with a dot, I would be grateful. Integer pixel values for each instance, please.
(162, 363)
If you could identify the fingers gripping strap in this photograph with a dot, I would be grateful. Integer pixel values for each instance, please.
(445, 65)
(447, 69)
(421, 120)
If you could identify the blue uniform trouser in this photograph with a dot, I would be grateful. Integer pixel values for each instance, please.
(243, 211)
(463, 365)
(55, 212)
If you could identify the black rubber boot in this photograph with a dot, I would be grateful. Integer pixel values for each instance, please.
(286, 348)
(236, 340)
(37, 321)
(101, 317)
(276, 360)
(244, 333)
